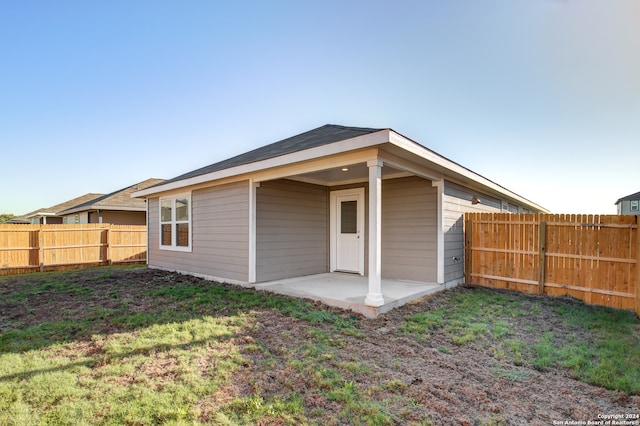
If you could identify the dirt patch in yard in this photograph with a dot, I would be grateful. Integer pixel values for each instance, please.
(433, 379)
(346, 369)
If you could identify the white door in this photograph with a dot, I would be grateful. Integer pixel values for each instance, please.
(347, 231)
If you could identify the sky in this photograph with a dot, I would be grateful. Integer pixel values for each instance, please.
(539, 96)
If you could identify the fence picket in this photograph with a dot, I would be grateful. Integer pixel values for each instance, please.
(591, 257)
(29, 248)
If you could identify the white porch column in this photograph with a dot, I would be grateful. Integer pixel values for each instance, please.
(439, 185)
(253, 186)
(374, 297)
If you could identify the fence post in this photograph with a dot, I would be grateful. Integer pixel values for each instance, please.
(637, 266)
(40, 248)
(468, 232)
(542, 241)
(109, 261)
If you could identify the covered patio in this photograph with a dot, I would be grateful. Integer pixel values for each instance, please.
(349, 291)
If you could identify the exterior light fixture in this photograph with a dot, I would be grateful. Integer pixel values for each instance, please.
(345, 169)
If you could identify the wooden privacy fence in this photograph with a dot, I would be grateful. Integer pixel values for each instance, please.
(31, 248)
(591, 257)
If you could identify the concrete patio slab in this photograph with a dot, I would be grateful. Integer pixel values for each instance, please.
(348, 291)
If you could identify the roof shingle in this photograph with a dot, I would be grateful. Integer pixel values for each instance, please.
(324, 135)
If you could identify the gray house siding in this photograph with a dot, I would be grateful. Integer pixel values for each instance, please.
(456, 201)
(220, 233)
(409, 229)
(624, 207)
(291, 230)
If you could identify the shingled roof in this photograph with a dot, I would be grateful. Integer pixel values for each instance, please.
(117, 200)
(635, 196)
(54, 210)
(324, 135)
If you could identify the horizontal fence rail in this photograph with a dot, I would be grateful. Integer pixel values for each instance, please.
(594, 258)
(32, 248)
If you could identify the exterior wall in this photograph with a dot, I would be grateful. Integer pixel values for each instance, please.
(81, 218)
(409, 229)
(292, 221)
(49, 220)
(108, 216)
(456, 201)
(220, 235)
(624, 207)
(121, 217)
(409, 223)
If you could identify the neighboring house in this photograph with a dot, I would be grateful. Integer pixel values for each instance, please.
(117, 207)
(19, 220)
(51, 215)
(367, 201)
(629, 204)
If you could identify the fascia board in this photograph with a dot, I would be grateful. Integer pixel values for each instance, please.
(358, 142)
(40, 213)
(456, 169)
(103, 208)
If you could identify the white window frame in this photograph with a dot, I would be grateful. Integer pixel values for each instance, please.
(634, 205)
(174, 235)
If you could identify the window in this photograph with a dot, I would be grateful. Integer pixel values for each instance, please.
(175, 223)
(634, 205)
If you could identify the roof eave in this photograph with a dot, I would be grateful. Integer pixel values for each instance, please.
(457, 169)
(358, 142)
(102, 208)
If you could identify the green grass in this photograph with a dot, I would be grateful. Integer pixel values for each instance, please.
(609, 357)
(130, 346)
(101, 359)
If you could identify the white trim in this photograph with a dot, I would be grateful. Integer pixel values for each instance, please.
(174, 246)
(409, 166)
(439, 185)
(333, 226)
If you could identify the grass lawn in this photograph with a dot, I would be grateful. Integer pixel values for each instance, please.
(135, 346)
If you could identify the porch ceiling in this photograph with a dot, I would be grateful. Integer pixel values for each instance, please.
(358, 172)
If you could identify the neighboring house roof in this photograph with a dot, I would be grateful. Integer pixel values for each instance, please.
(118, 200)
(326, 140)
(21, 220)
(54, 210)
(635, 196)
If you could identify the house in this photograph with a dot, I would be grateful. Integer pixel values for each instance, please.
(336, 201)
(18, 220)
(51, 215)
(629, 204)
(117, 207)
